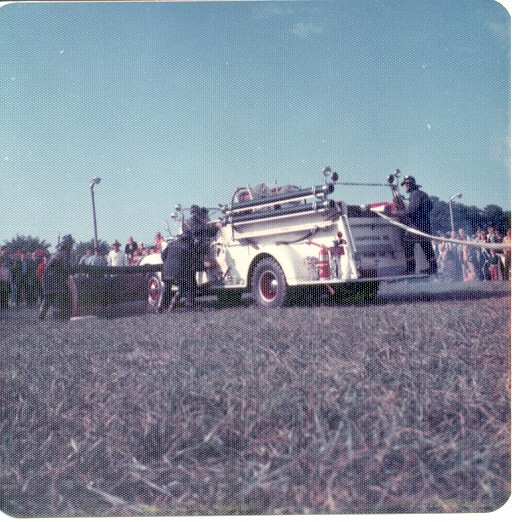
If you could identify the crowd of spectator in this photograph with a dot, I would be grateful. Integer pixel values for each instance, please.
(132, 253)
(21, 273)
(457, 262)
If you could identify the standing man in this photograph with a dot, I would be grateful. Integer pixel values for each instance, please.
(159, 243)
(97, 260)
(116, 257)
(179, 269)
(130, 249)
(25, 275)
(56, 292)
(417, 214)
(202, 231)
(17, 283)
(199, 223)
(5, 278)
(37, 256)
(86, 258)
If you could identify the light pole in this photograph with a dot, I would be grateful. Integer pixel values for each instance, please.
(93, 182)
(455, 196)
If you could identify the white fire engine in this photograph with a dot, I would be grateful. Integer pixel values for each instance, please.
(283, 243)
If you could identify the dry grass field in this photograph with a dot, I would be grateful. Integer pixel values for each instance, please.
(402, 405)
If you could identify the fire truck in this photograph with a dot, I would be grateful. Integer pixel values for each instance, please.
(283, 244)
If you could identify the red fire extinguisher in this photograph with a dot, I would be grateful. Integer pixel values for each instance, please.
(324, 263)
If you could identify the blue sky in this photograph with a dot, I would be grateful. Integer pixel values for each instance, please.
(183, 102)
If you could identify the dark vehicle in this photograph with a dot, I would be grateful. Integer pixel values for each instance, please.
(108, 291)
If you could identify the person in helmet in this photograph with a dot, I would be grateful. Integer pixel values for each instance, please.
(178, 269)
(417, 215)
(55, 281)
(202, 232)
(198, 223)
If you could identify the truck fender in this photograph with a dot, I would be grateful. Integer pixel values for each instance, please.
(281, 255)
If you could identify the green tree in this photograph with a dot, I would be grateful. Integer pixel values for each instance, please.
(25, 244)
(505, 223)
(439, 216)
(102, 247)
(472, 219)
(468, 217)
(493, 215)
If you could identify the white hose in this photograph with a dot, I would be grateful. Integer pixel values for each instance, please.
(488, 246)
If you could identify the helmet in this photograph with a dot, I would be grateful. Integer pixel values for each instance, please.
(409, 180)
(67, 241)
(196, 210)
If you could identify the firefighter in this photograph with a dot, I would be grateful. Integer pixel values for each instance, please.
(417, 215)
(55, 281)
(198, 223)
(202, 233)
(178, 269)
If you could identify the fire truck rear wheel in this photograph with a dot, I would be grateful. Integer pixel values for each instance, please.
(269, 286)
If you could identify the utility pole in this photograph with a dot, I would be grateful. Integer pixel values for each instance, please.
(455, 196)
(93, 182)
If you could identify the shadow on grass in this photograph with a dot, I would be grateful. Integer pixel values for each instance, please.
(442, 295)
(389, 294)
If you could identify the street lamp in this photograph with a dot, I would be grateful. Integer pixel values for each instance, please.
(93, 182)
(455, 196)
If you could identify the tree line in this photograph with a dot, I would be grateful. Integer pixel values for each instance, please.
(30, 244)
(470, 218)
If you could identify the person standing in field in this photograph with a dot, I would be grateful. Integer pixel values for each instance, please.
(56, 292)
(506, 272)
(116, 257)
(203, 232)
(5, 278)
(40, 270)
(178, 269)
(417, 214)
(97, 259)
(480, 237)
(138, 253)
(86, 258)
(38, 256)
(160, 243)
(130, 249)
(23, 273)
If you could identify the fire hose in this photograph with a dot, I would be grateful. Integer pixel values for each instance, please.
(489, 246)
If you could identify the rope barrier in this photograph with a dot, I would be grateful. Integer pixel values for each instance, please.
(111, 270)
(488, 246)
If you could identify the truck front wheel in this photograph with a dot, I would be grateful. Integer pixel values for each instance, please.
(269, 286)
